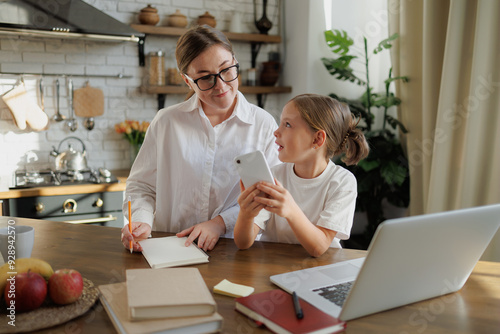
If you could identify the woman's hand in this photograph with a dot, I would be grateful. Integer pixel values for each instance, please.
(208, 233)
(278, 201)
(140, 231)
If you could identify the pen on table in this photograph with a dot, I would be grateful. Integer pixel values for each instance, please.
(296, 305)
(130, 223)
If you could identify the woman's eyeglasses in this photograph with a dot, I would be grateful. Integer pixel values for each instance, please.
(208, 81)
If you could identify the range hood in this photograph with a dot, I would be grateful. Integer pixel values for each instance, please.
(69, 19)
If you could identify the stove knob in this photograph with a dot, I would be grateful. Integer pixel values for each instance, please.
(39, 207)
(69, 206)
(99, 203)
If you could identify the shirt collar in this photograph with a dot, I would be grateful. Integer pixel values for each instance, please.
(243, 109)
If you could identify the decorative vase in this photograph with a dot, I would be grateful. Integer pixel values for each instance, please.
(263, 24)
(149, 15)
(207, 19)
(270, 73)
(134, 150)
(177, 20)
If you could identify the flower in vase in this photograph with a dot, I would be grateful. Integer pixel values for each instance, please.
(133, 131)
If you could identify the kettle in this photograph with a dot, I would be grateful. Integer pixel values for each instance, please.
(70, 159)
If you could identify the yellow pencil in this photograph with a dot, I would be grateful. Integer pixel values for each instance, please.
(130, 223)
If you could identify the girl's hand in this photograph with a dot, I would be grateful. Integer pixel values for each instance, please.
(140, 231)
(249, 208)
(279, 200)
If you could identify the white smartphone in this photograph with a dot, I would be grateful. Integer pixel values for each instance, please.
(253, 168)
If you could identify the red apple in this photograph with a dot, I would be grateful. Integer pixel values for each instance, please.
(25, 291)
(65, 286)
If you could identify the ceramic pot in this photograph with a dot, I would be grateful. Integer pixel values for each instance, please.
(270, 73)
(207, 19)
(177, 20)
(149, 15)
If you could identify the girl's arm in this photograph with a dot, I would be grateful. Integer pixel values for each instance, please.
(315, 239)
(245, 230)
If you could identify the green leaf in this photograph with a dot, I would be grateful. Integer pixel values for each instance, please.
(393, 173)
(368, 165)
(338, 41)
(402, 78)
(340, 69)
(385, 44)
(394, 123)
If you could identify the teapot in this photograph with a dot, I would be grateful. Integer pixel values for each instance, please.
(70, 159)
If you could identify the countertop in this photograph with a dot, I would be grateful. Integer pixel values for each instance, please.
(121, 174)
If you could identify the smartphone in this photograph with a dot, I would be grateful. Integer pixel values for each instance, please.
(253, 168)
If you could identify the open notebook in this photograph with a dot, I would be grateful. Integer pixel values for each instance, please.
(171, 252)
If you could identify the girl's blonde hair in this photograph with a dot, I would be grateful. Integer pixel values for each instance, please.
(335, 118)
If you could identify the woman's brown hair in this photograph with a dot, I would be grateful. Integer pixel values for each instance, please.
(195, 41)
(335, 118)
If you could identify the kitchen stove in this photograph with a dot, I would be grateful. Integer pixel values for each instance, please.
(48, 178)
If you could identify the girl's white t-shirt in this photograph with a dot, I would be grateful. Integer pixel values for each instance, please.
(328, 201)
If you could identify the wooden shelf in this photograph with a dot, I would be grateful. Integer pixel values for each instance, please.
(243, 89)
(232, 36)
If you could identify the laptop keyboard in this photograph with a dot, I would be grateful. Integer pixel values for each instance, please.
(335, 293)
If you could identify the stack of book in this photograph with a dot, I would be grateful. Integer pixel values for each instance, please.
(161, 301)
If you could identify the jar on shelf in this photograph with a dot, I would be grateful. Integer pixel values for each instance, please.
(207, 19)
(156, 68)
(177, 19)
(149, 15)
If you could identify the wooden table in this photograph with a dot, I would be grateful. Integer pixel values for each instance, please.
(98, 254)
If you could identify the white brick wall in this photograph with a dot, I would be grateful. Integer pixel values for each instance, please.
(123, 98)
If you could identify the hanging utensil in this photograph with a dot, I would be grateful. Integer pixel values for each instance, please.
(89, 123)
(40, 88)
(58, 117)
(71, 123)
(88, 103)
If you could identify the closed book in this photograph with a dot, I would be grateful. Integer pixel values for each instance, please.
(275, 309)
(113, 297)
(171, 252)
(168, 293)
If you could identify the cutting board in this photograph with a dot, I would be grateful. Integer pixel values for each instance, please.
(88, 101)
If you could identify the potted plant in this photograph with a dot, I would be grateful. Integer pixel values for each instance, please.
(384, 174)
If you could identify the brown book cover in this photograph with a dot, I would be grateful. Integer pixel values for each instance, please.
(114, 299)
(168, 293)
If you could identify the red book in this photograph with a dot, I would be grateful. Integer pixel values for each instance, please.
(275, 309)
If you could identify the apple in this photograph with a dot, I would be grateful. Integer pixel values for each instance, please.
(65, 286)
(25, 291)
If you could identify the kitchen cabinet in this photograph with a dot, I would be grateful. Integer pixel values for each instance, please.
(255, 40)
(96, 204)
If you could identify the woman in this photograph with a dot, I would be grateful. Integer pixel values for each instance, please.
(183, 179)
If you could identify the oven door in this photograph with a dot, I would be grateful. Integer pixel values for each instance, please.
(96, 208)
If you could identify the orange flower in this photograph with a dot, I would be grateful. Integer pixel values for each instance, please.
(133, 131)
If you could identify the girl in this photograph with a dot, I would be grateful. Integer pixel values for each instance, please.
(313, 200)
(182, 180)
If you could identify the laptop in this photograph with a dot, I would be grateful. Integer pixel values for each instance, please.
(409, 259)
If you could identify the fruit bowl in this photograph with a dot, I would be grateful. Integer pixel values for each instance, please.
(50, 314)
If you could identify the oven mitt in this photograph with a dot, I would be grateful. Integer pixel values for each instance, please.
(24, 110)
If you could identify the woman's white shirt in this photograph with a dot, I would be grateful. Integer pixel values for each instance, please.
(184, 173)
(328, 201)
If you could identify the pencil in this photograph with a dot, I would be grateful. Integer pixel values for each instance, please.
(131, 245)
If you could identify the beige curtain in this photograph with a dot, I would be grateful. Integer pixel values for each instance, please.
(450, 50)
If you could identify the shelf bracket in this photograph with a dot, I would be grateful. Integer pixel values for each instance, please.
(161, 101)
(255, 47)
(261, 100)
(140, 45)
